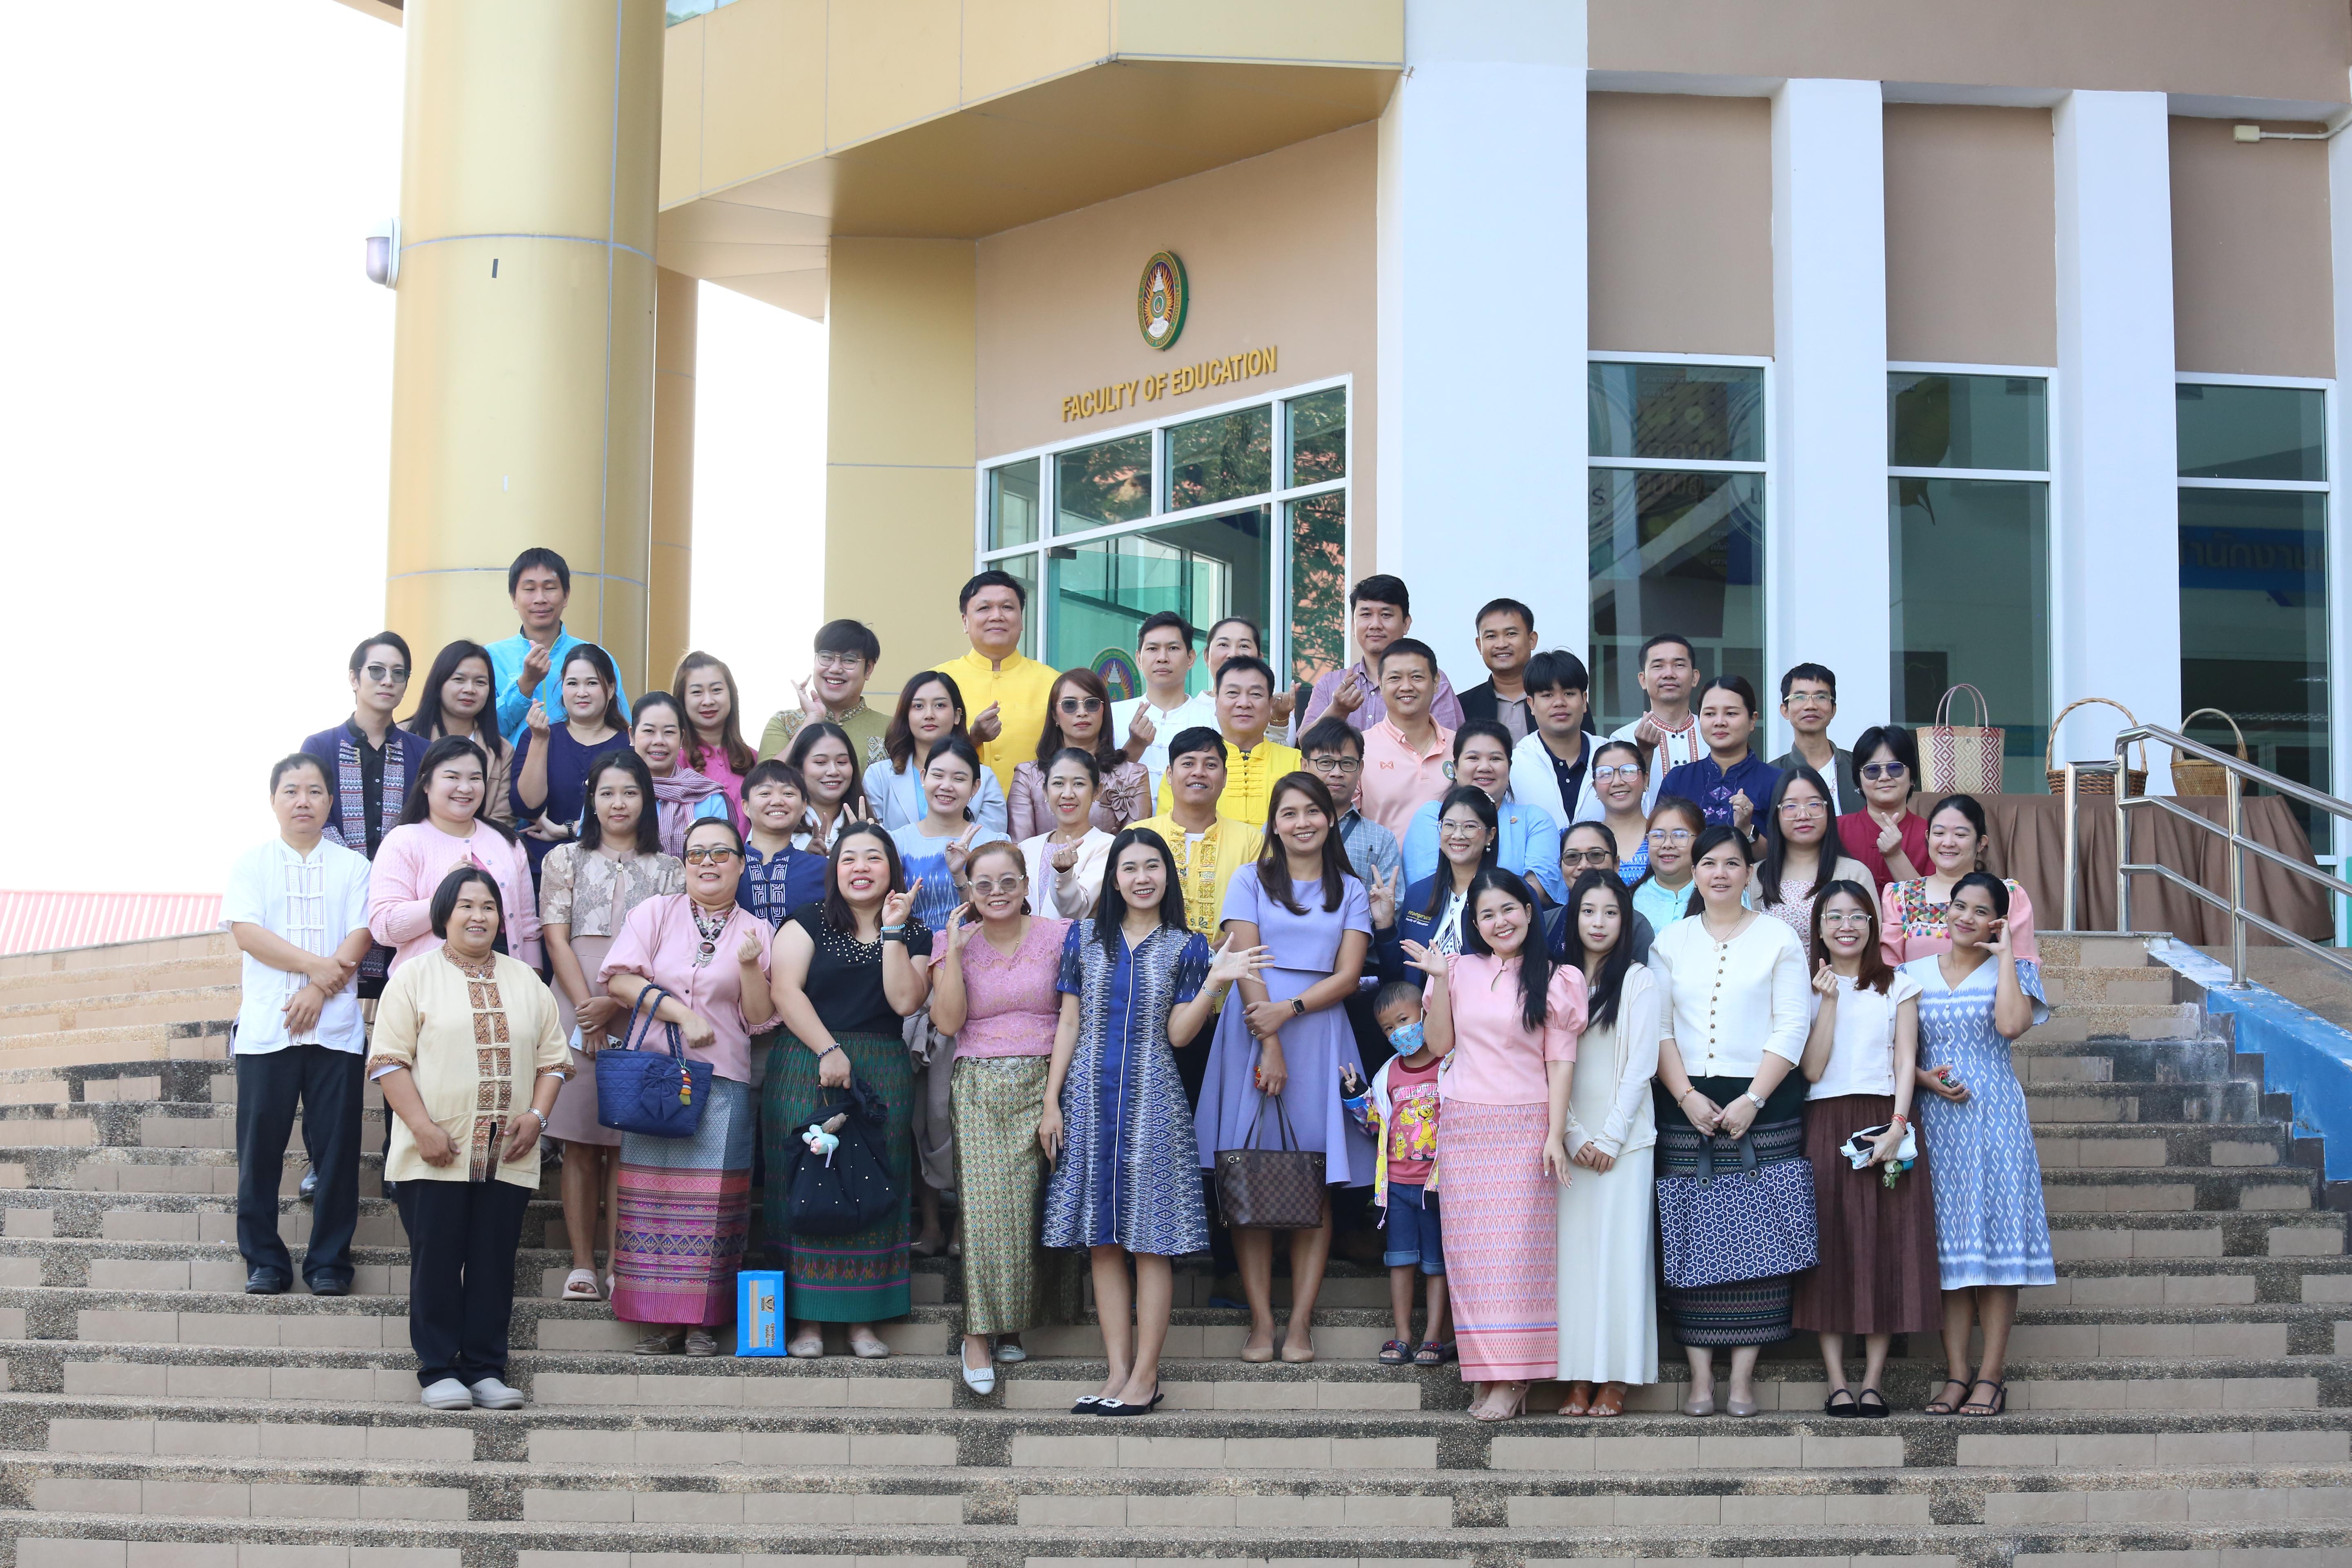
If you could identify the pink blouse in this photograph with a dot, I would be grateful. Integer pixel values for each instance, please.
(1910, 927)
(411, 863)
(661, 943)
(1496, 1060)
(715, 767)
(1124, 800)
(1012, 1006)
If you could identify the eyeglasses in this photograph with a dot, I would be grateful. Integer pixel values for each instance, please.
(1325, 762)
(1804, 807)
(1080, 705)
(380, 673)
(1460, 829)
(1011, 882)
(709, 855)
(1845, 917)
(1883, 770)
(845, 662)
(1598, 859)
(1618, 771)
(1670, 836)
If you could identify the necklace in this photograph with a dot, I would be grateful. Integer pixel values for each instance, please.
(708, 926)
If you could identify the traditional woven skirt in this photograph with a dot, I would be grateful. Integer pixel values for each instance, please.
(865, 1277)
(1011, 1282)
(1501, 1239)
(1877, 1273)
(685, 1212)
(1752, 1311)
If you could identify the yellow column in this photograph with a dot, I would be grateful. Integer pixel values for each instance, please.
(671, 626)
(522, 360)
(901, 344)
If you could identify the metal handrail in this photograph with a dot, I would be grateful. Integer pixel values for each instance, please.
(2237, 773)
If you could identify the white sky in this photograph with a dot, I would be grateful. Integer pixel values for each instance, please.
(195, 391)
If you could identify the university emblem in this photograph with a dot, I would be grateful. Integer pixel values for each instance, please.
(1161, 300)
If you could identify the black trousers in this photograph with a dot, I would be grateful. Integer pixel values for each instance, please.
(330, 1088)
(462, 1237)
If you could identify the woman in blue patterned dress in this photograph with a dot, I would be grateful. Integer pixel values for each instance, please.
(1135, 983)
(1992, 1235)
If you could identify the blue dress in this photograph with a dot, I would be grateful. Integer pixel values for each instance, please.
(1125, 1176)
(1306, 949)
(1990, 1226)
(927, 858)
(567, 785)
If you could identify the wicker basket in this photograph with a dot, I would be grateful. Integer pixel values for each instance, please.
(2195, 775)
(2098, 777)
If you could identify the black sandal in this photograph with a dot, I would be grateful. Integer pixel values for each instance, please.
(1396, 1353)
(1851, 1409)
(1940, 1405)
(1981, 1409)
(1878, 1412)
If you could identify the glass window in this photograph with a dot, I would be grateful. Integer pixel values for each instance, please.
(1319, 437)
(1939, 421)
(1969, 568)
(2253, 576)
(1101, 484)
(2252, 433)
(1681, 552)
(1013, 504)
(1221, 459)
(1712, 412)
(1318, 584)
(1202, 568)
(1025, 568)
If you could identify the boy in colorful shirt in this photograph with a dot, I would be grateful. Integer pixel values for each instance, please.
(1398, 1111)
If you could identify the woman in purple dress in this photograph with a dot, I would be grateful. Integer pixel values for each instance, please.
(1284, 1039)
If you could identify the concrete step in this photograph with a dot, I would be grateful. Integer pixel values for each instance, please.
(198, 1082)
(122, 979)
(2073, 985)
(2150, 1145)
(202, 1000)
(2066, 950)
(2236, 1102)
(2290, 1233)
(2132, 1021)
(110, 1044)
(117, 955)
(36, 1169)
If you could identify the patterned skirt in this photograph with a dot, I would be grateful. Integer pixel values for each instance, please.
(1877, 1273)
(1752, 1311)
(685, 1212)
(1501, 1239)
(863, 1278)
(1011, 1282)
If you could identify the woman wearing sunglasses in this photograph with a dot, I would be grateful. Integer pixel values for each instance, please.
(1078, 713)
(1886, 836)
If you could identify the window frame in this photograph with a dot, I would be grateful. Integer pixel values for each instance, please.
(1038, 622)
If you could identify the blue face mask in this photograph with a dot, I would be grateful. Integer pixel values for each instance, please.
(1406, 1038)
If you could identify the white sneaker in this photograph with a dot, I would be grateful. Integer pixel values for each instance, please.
(448, 1394)
(491, 1394)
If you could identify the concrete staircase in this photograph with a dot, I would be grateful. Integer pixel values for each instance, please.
(2181, 1393)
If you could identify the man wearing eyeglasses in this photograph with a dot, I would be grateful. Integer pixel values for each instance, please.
(1334, 753)
(373, 762)
(1244, 707)
(1808, 702)
(847, 653)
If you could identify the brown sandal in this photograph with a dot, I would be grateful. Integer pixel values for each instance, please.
(1578, 1400)
(1610, 1401)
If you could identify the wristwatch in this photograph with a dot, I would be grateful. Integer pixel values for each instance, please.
(1298, 1008)
(1752, 1098)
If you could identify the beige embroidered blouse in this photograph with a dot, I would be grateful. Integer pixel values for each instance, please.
(576, 887)
(476, 1041)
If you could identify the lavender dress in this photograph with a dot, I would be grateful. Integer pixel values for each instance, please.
(1305, 948)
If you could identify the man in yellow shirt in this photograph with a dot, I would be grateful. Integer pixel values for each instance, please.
(1244, 697)
(1003, 691)
(1209, 845)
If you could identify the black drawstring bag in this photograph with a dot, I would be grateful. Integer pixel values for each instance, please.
(850, 1189)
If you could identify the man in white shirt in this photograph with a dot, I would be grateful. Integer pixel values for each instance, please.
(297, 907)
(1163, 648)
(1667, 673)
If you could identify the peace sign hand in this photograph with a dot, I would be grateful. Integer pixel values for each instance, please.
(959, 851)
(1382, 893)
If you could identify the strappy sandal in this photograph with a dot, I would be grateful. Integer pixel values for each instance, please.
(1870, 1412)
(1848, 1411)
(1982, 1409)
(1610, 1401)
(701, 1342)
(1579, 1399)
(1517, 1406)
(1395, 1353)
(1431, 1353)
(580, 1285)
(1940, 1405)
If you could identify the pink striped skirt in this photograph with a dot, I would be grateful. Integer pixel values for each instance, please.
(1501, 1241)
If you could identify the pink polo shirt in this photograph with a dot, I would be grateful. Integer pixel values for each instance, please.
(1397, 782)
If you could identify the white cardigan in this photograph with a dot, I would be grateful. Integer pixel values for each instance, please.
(1727, 1004)
(1633, 1048)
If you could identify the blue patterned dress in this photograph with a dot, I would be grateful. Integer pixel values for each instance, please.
(1130, 1172)
(1990, 1226)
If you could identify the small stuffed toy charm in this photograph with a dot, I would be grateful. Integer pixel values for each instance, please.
(820, 1141)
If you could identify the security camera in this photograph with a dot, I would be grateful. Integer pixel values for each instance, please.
(383, 254)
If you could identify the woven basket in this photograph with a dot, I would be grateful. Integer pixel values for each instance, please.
(2195, 775)
(2098, 777)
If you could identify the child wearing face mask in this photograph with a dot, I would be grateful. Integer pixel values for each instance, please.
(1398, 1111)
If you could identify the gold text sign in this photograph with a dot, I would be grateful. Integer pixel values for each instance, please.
(1185, 378)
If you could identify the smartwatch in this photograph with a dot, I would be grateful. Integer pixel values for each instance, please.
(1298, 1008)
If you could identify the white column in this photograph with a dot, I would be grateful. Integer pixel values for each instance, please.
(1481, 480)
(1826, 522)
(2339, 570)
(2116, 585)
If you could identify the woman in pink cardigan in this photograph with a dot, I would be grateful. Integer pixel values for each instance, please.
(441, 829)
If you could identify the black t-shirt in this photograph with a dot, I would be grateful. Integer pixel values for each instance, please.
(845, 975)
(1570, 776)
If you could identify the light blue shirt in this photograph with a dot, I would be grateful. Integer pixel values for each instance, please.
(1526, 843)
(1663, 908)
(507, 656)
(897, 798)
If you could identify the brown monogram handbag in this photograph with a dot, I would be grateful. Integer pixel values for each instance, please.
(1273, 1189)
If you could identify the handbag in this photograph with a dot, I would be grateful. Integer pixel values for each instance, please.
(844, 1188)
(1273, 1189)
(648, 1092)
(1755, 1223)
(1961, 759)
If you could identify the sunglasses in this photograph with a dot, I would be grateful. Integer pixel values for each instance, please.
(1075, 705)
(1883, 770)
(709, 855)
